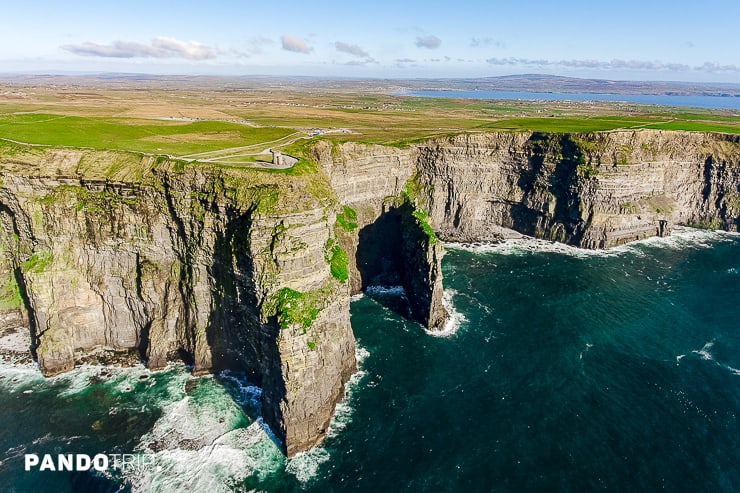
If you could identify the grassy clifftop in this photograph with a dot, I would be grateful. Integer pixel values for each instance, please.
(297, 188)
(154, 136)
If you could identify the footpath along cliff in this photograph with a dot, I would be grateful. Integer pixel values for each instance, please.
(114, 256)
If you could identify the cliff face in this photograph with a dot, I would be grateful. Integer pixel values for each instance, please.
(588, 190)
(394, 244)
(121, 256)
(224, 269)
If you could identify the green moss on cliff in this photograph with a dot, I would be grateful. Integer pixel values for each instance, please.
(83, 199)
(276, 191)
(293, 307)
(337, 259)
(422, 221)
(412, 196)
(347, 219)
(732, 199)
(586, 171)
(38, 262)
(416, 192)
(10, 293)
(710, 223)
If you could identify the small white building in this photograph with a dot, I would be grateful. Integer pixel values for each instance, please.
(277, 158)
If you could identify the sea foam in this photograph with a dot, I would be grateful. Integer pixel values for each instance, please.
(680, 237)
(456, 318)
(385, 291)
(201, 443)
(706, 355)
(305, 466)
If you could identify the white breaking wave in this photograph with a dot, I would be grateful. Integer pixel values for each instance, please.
(305, 466)
(683, 237)
(527, 245)
(26, 376)
(361, 354)
(456, 318)
(704, 351)
(249, 395)
(386, 291)
(199, 443)
(680, 237)
(18, 378)
(706, 355)
(216, 468)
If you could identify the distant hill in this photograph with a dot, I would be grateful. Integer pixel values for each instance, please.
(524, 82)
(554, 83)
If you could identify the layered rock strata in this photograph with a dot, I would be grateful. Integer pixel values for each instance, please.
(395, 244)
(123, 254)
(118, 256)
(589, 190)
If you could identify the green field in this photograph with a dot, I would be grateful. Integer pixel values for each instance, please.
(150, 136)
(234, 127)
(598, 124)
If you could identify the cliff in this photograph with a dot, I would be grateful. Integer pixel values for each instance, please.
(114, 256)
(589, 190)
(394, 244)
(118, 255)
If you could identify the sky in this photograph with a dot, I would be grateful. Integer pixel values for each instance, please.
(622, 40)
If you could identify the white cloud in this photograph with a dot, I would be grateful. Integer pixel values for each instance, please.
(594, 64)
(430, 42)
(405, 62)
(295, 44)
(716, 67)
(160, 47)
(256, 43)
(353, 50)
(476, 42)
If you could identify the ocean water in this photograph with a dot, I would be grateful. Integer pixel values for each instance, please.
(708, 102)
(563, 370)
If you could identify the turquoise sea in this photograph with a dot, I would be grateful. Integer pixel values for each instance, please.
(564, 370)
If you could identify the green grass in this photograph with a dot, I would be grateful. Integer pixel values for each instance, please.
(599, 124)
(296, 308)
(150, 136)
(698, 127)
(85, 200)
(337, 260)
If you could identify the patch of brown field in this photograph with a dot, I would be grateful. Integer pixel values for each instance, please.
(168, 110)
(229, 135)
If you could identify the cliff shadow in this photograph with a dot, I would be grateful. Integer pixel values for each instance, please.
(551, 206)
(17, 274)
(380, 260)
(244, 350)
(234, 326)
